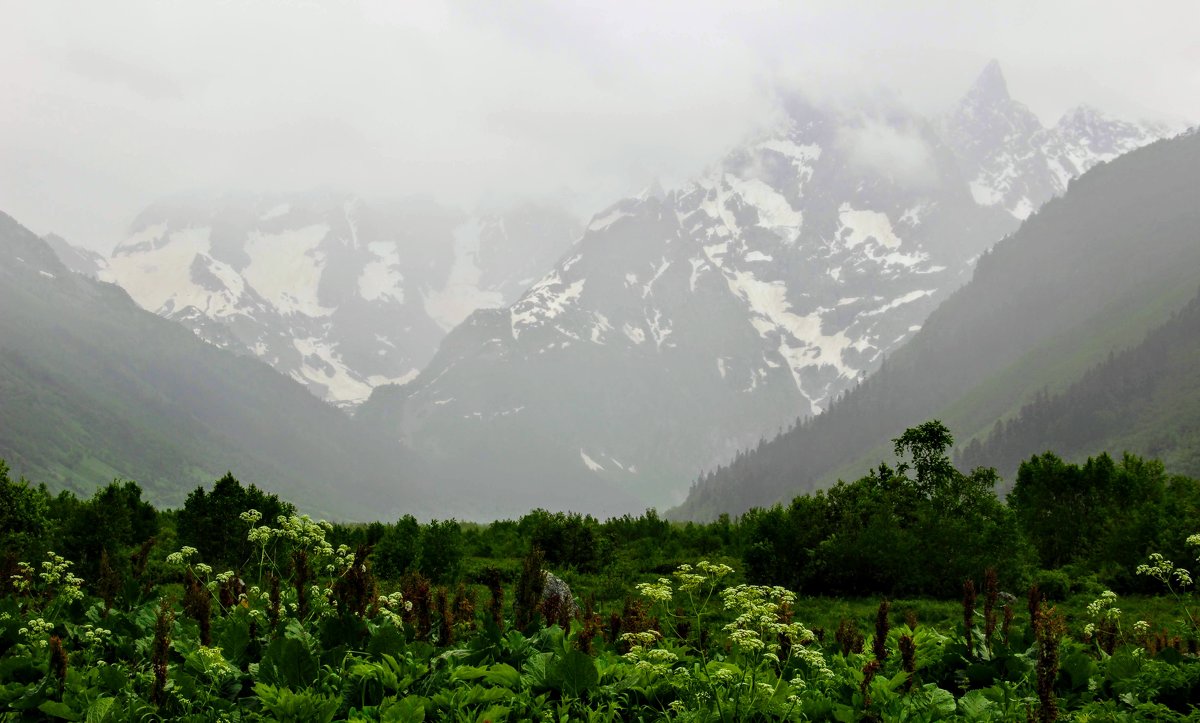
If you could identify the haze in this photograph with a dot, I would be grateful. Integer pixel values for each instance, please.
(111, 105)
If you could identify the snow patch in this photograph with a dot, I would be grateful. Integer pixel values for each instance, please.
(657, 273)
(861, 225)
(462, 294)
(546, 300)
(599, 223)
(757, 256)
(592, 464)
(660, 328)
(906, 299)
(697, 264)
(1022, 209)
(984, 194)
(331, 371)
(160, 279)
(774, 211)
(772, 311)
(285, 268)
(381, 279)
(635, 334)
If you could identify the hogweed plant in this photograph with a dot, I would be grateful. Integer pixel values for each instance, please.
(764, 644)
(1105, 626)
(1176, 579)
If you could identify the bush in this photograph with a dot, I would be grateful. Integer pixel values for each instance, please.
(1053, 584)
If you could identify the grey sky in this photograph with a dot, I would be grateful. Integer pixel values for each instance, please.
(109, 105)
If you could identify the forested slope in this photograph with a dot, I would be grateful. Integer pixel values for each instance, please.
(1145, 400)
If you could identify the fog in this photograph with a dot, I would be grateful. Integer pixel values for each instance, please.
(108, 106)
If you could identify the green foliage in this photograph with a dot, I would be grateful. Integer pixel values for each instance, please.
(209, 521)
(442, 550)
(399, 549)
(1103, 515)
(115, 519)
(889, 533)
(23, 514)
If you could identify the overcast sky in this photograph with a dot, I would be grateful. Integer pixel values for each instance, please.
(106, 106)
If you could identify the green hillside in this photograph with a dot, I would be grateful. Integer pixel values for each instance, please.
(1145, 400)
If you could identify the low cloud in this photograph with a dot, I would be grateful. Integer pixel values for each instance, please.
(109, 105)
(900, 153)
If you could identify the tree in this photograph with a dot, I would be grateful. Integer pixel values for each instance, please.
(442, 550)
(398, 550)
(211, 523)
(23, 515)
(114, 519)
(927, 444)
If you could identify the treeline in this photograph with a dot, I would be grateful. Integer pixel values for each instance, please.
(1147, 394)
(920, 527)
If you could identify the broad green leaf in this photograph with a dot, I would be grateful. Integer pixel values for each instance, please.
(503, 675)
(406, 710)
(975, 706)
(55, 709)
(577, 672)
(99, 709)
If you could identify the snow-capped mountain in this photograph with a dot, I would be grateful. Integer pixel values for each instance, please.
(340, 294)
(686, 325)
(1013, 162)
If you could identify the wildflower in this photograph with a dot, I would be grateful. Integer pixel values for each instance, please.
(657, 592)
(1164, 570)
(251, 516)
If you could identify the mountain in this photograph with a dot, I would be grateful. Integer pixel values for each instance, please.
(77, 259)
(1144, 400)
(1012, 162)
(340, 294)
(94, 388)
(688, 324)
(1090, 273)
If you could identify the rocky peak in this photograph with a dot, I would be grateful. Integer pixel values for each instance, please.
(990, 85)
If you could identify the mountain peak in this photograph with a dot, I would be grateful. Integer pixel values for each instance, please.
(990, 84)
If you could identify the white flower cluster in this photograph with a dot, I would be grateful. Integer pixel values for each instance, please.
(56, 573)
(343, 560)
(1101, 609)
(656, 591)
(1164, 570)
(390, 607)
(215, 666)
(758, 610)
(36, 632)
(691, 579)
(93, 637)
(21, 580)
(301, 530)
(649, 659)
(180, 558)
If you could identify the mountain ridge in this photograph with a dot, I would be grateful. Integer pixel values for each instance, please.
(684, 326)
(1068, 265)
